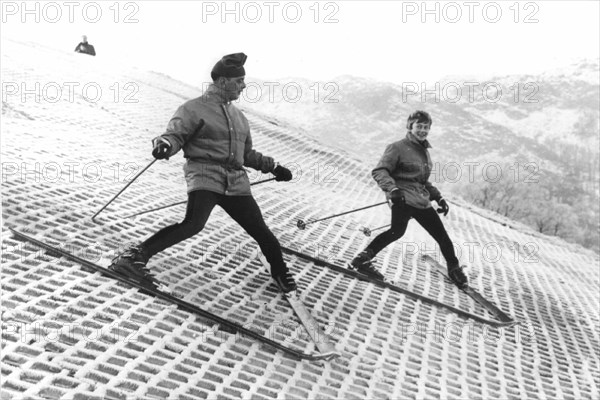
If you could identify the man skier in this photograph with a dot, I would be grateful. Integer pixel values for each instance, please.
(214, 171)
(85, 47)
(403, 174)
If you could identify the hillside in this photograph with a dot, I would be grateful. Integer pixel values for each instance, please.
(550, 119)
(70, 333)
(537, 136)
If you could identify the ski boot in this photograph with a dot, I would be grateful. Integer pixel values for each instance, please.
(455, 272)
(285, 281)
(132, 264)
(363, 263)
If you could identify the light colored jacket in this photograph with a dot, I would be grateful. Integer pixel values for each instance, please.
(406, 165)
(218, 152)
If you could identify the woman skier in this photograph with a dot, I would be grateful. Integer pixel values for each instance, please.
(403, 174)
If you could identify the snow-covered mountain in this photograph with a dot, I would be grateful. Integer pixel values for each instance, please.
(550, 119)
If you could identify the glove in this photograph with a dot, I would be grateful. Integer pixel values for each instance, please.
(161, 149)
(282, 173)
(444, 208)
(397, 199)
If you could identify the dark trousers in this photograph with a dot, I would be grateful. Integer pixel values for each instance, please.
(243, 209)
(428, 218)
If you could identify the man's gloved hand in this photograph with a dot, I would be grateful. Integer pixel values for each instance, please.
(444, 208)
(397, 199)
(282, 173)
(161, 149)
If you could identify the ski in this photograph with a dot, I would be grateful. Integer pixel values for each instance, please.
(184, 305)
(315, 331)
(505, 321)
(470, 291)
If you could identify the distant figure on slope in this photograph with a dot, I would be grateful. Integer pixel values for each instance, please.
(403, 174)
(214, 172)
(85, 47)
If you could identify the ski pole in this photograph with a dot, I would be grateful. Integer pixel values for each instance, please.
(183, 202)
(122, 190)
(368, 231)
(302, 225)
(200, 126)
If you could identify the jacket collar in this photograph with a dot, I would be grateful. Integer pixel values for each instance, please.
(214, 94)
(413, 139)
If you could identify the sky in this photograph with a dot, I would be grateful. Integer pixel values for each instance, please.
(393, 41)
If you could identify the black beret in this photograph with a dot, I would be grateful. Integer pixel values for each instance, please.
(230, 66)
